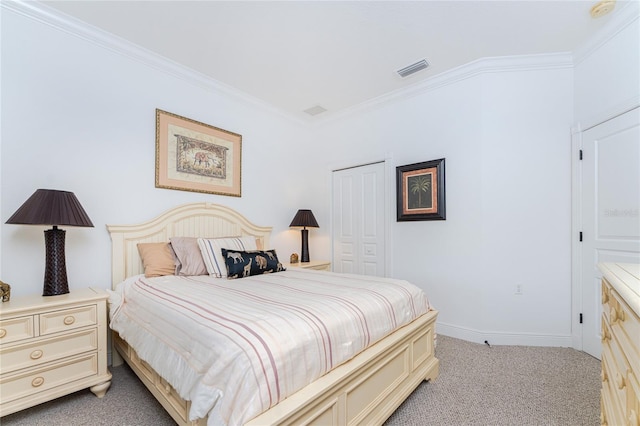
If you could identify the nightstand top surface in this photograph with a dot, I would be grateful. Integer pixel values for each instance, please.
(27, 302)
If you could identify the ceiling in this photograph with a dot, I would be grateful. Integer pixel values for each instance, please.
(296, 55)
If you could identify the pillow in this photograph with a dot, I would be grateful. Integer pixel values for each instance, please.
(188, 257)
(242, 264)
(157, 259)
(211, 250)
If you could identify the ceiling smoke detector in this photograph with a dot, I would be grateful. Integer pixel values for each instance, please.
(413, 68)
(602, 8)
(315, 110)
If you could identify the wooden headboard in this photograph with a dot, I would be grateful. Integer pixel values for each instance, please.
(189, 220)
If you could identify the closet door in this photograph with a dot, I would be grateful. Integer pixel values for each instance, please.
(358, 220)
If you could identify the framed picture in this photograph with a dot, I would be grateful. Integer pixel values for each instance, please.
(420, 191)
(193, 156)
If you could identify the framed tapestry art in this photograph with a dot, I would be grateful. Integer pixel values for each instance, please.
(420, 191)
(193, 156)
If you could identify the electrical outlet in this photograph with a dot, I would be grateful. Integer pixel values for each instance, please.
(518, 289)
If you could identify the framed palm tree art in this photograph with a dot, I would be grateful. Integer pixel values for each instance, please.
(420, 191)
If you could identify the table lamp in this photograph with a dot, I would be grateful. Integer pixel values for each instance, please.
(305, 218)
(52, 207)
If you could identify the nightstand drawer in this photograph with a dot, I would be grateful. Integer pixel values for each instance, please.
(28, 383)
(68, 319)
(42, 351)
(15, 329)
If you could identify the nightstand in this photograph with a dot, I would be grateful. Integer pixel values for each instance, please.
(52, 346)
(318, 265)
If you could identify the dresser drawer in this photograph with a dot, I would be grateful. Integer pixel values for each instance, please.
(15, 329)
(610, 399)
(606, 298)
(47, 350)
(610, 414)
(625, 325)
(619, 371)
(68, 319)
(633, 401)
(39, 380)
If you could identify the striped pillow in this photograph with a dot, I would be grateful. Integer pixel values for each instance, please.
(211, 249)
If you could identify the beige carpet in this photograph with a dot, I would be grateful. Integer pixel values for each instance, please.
(478, 385)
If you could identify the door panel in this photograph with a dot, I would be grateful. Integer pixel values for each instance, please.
(358, 220)
(610, 210)
(372, 221)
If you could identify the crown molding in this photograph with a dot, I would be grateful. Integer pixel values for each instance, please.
(51, 17)
(490, 65)
(620, 20)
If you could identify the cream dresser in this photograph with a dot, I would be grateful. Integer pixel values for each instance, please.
(52, 346)
(620, 395)
(318, 265)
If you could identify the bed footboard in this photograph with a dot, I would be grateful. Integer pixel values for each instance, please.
(365, 390)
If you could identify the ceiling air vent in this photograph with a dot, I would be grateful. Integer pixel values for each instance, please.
(413, 68)
(315, 110)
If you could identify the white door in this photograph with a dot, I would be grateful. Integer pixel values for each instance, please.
(610, 211)
(358, 219)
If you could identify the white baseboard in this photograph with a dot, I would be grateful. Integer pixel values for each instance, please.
(502, 338)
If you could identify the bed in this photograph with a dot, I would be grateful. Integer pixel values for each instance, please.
(365, 389)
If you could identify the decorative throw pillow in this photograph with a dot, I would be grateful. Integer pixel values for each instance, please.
(188, 257)
(242, 264)
(157, 259)
(211, 250)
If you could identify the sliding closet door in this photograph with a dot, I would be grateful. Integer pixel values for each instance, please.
(358, 219)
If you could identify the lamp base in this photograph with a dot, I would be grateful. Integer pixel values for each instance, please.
(55, 273)
(305, 246)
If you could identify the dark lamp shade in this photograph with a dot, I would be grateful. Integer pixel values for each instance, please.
(304, 218)
(51, 207)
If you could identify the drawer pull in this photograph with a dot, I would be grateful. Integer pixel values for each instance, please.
(603, 376)
(605, 295)
(69, 320)
(605, 336)
(619, 381)
(613, 314)
(38, 381)
(37, 354)
(3, 333)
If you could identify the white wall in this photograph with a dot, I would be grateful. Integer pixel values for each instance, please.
(506, 139)
(607, 70)
(80, 117)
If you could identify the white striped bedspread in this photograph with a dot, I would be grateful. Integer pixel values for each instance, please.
(235, 348)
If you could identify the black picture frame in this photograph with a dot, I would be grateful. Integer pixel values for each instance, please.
(420, 191)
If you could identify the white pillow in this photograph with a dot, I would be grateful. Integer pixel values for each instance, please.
(211, 249)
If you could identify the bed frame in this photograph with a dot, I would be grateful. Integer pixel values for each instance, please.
(365, 390)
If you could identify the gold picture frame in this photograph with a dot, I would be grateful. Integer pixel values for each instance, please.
(197, 157)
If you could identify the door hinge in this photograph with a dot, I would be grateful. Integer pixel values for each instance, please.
(581, 154)
(580, 236)
(580, 318)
